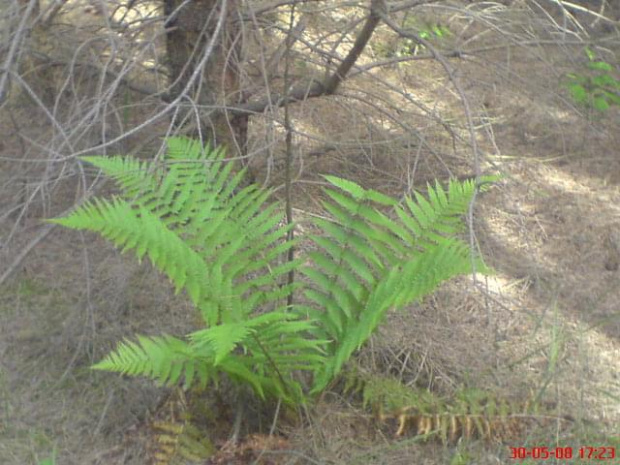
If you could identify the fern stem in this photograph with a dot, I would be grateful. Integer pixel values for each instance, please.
(240, 401)
(285, 385)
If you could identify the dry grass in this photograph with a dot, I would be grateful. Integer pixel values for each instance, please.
(546, 325)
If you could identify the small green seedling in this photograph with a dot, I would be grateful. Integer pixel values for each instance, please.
(598, 87)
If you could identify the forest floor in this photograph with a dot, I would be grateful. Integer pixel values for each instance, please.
(545, 326)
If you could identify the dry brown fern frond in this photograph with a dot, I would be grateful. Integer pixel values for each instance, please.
(402, 411)
(451, 427)
(175, 439)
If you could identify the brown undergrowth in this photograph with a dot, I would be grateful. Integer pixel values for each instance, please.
(545, 329)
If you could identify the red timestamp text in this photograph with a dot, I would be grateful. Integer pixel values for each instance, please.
(546, 453)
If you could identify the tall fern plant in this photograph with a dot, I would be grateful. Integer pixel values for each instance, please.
(223, 245)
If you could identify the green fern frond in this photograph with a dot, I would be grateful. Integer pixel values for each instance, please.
(441, 214)
(273, 344)
(359, 193)
(134, 176)
(222, 247)
(369, 262)
(164, 359)
(180, 211)
(221, 339)
(131, 228)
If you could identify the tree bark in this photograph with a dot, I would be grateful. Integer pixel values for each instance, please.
(190, 26)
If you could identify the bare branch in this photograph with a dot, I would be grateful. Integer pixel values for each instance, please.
(330, 85)
(13, 50)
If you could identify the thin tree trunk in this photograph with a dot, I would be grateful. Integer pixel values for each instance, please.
(190, 26)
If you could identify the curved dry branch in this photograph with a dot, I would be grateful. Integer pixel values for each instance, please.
(329, 85)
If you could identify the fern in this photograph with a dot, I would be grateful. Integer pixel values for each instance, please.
(182, 214)
(369, 263)
(221, 244)
(164, 359)
(221, 247)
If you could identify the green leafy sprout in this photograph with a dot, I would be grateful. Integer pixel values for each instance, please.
(598, 87)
